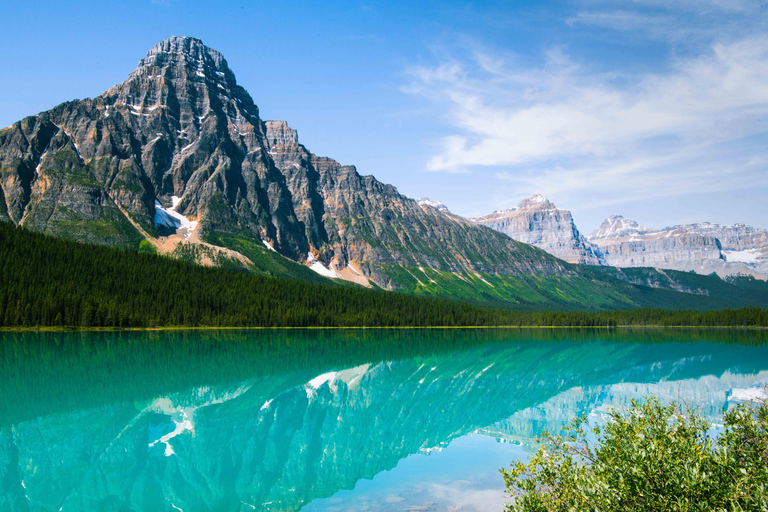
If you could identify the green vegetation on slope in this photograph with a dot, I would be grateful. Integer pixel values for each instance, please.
(596, 288)
(265, 261)
(735, 290)
(655, 458)
(46, 281)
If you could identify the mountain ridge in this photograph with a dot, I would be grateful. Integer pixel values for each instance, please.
(697, 247)
(624, 243)
(182, 134)
(176, 158)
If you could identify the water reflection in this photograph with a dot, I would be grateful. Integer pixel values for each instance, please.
(273, 420)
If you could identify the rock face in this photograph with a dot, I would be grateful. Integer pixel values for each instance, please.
(625, 243)
(181, 139)
(356, 221)
(178, 126)
(740, 243)
(538, 222)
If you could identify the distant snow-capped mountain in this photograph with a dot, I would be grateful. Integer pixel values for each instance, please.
(437, 205)
(703, 248)
(538, 222)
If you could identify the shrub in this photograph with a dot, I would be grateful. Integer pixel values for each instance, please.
(654, 457)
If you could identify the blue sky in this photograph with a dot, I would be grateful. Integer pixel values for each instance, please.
(657, 110)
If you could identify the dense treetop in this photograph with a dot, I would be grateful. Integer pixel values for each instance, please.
(46, 281)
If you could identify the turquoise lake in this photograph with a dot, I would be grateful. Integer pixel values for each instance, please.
(317, 420)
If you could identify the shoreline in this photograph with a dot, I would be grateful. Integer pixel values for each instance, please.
(443, 327)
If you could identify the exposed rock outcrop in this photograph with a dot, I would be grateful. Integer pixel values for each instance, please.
(181, 139)
(356, 220)
(741, 244)
(625, 243)
(538, 222)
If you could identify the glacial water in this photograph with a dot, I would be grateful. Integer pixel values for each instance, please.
(325, 420)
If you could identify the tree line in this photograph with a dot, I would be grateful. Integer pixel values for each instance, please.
(49, 282)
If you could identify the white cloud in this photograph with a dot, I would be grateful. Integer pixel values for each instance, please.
(559, 127)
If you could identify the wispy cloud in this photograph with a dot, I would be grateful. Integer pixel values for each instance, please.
(562, 127)
(680, 22)
(660, 26)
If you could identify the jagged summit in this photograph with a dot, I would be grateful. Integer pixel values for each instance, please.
(536, 201)
(617, 225)
(702, 247)
(186, 59)
(280, 134)
(188, 49)
(183, 75)
(538, 222)
(190, 46)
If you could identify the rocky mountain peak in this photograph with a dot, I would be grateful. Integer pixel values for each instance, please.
(190, 46)
(538, 222)
(280, 134)
(703, 248)
(182, 74)
(188, 50)
(616, 225)
(536, 201)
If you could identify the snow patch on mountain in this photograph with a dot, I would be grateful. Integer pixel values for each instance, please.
(181, 426)
(437, 205)
(749, 256)
(169, 217)
(324, 271)
(617, 226)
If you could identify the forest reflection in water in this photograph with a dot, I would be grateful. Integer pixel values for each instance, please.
(278, 419)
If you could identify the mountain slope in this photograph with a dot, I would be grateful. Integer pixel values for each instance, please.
(180, 134)
(357, 220)
(177, 160)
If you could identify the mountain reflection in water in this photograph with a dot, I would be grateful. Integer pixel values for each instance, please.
(274, 420)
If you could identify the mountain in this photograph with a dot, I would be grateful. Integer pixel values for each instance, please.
(740, 243)
(703, 248)
(538, 222)
(178, 155)
(695, 247)
(355, 225)
(176, 160)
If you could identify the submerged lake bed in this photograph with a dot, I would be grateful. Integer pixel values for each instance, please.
(327, 420)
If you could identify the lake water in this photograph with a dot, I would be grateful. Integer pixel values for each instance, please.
(325, 420)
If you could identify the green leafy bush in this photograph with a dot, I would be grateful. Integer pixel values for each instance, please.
(147, 247)
(654, 457)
